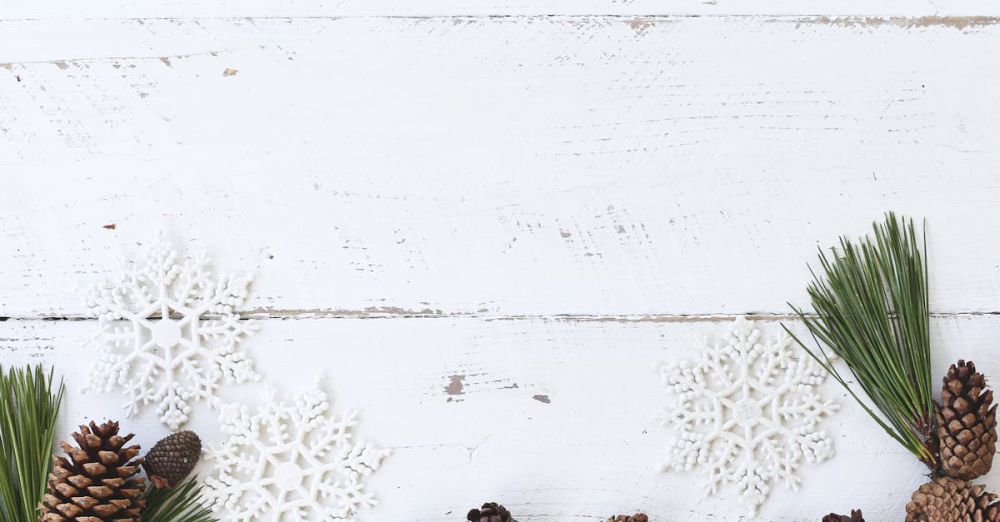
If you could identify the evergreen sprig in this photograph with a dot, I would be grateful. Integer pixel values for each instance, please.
(28, 410)
(870, 307)
(183, 503)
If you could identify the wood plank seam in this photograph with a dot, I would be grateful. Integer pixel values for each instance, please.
(399, 313)
(957, 22)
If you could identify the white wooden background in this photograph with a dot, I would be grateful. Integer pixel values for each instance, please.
(525, 198)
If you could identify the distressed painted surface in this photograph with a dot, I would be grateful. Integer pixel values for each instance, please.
(483, 231)
(586, 166)
(90, 9)
(557, 418)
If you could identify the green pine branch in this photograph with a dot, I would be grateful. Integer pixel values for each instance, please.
(183, 503)
(28, 410)
(870, 307)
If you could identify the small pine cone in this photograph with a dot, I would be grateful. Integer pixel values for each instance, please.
(945, 499)
(490, 512)
(638, 517)
(172, 458)
(967, 423)
(94, 482)
(855, 517)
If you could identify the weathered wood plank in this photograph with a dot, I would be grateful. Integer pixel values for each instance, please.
(494, 167)
(305, 8)
(456, 399)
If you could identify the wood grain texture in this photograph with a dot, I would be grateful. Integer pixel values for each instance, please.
(481, 225)
(590, 451)
(89, 9)
(495, 167)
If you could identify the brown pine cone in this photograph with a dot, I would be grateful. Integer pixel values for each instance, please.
(490, 512)
(855, 517)
(945, 499)
(967, 423)
(95, 483)
(638, 517)
(172, 458)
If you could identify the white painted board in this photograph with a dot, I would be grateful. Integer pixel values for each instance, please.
(594, 449)
(495, 167)
(427, 193)
(94, 9)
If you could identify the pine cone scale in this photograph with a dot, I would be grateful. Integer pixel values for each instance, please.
(946, 499)
(172, 458)
(638, 517)
(91, 485)
(966, 423)
(854, 517)
(490, 512)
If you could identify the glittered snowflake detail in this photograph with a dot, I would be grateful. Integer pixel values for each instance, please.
(168, 333)
(290, 463)
(747, 412)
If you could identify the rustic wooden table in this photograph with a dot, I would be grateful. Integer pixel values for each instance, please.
(481, 224)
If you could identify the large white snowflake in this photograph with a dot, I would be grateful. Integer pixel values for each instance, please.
(154, 342)
(290, 463)
(747, 412)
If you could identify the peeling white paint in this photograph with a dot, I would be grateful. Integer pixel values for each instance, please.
(511, 217)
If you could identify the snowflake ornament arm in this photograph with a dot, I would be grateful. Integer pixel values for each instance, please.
(746, 413)
(153, 341)
(291, 462)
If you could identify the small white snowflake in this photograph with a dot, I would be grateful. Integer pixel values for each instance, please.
(747, 412)
(153, 341)
(290, 463)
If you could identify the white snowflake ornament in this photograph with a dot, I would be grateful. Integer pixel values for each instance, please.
(290, 462)
(155, 341)
(747, 412)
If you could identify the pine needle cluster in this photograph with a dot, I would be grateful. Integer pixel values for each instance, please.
(29, 404)
(870, 307)
(182, 503)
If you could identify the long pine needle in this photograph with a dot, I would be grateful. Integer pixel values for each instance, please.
(28, 410)
(870, 307)
(183, 503)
